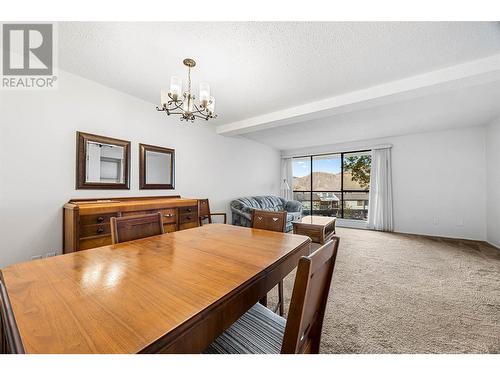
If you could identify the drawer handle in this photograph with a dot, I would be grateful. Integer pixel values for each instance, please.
(100, 219)
(188, 217)
(100, 230)
(168, 215)
(188, 210)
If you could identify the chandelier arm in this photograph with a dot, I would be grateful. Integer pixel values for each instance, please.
(177, 105)
(198, 110)
(169, 111)
(203, 117)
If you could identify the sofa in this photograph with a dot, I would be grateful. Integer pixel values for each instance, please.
(241, 209)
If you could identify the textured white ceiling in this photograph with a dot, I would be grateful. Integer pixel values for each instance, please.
(256, 68)
(471, 106)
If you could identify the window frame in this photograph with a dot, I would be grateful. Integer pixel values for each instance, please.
(341, 191)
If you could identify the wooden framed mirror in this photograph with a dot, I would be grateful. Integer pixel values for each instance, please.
(102, 162)
(156, 167)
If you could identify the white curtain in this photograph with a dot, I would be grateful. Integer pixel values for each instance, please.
(380, 215)
(286, 178)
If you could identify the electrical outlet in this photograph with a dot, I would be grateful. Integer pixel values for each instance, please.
(435, 220)
(35, 257)
(51, 254)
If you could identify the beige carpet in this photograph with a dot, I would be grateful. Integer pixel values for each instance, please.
(396, 293)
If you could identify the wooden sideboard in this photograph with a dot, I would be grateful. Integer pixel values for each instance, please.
(86, 222)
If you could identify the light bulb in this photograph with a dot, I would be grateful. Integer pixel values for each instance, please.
(175, 87)
(204, 94)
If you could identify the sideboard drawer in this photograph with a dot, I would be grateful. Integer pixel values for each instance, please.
(189, 210)
(92, 242)
(188, 218)
(188, 225)
(169, 215)
(97, 219)
(94, 230)
(188, 214)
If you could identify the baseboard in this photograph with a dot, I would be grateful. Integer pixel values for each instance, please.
(359, 224)
(443, 237)
(346, 223)
(493, 244)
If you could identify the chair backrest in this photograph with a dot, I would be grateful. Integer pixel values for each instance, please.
(309, 297)
(128, 228)
(269, 220)
(10, 341)
(204, 210)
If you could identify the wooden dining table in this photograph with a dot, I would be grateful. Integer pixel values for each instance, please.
(172, 293)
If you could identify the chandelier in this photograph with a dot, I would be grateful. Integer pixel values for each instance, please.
(173, 104)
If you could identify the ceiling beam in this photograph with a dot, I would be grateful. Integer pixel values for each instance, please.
(463, 75)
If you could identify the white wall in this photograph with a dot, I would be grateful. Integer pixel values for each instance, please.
(438, 181)
(34, 185)
(493, 182)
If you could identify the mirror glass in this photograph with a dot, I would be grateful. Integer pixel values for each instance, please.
(105, 163)
(158, 167)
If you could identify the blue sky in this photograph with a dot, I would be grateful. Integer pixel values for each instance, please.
(301, 167)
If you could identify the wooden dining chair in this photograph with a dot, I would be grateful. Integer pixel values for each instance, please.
(205, 214)
(260, 331)
(276, 222)
(128, 228)
(269, 220)
(10, 342)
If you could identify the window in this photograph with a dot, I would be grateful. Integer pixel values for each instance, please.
(333, 184)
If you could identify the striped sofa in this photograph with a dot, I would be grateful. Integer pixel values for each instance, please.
(241, 209)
